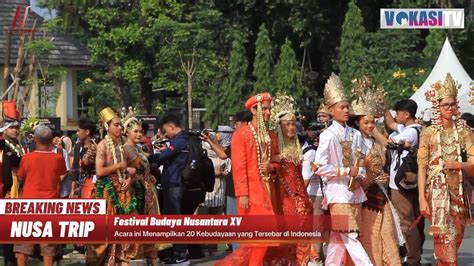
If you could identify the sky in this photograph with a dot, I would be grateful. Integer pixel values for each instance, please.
(44, 12)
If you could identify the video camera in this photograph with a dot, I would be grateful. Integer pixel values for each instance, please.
(160, 143)
(197, 133)
(399, 147)
(318, 126)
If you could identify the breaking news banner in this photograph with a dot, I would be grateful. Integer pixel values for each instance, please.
(52, 221)
(85, 221)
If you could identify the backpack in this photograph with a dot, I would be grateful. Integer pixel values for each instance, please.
(199, 170)
(407, 164)
(309, 148)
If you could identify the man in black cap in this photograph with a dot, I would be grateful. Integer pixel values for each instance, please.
(406, 132)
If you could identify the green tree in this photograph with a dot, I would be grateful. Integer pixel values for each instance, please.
(143, 45)
(351, 47)
(393, 60)
(434, 42)
(287, 72)
(237, 81)
(262, 67)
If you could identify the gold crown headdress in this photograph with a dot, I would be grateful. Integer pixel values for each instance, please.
(129, 120)
(368, 99)
(323, 109)
(107, 114)
(334, 91)
(283, 108)
(439, 91)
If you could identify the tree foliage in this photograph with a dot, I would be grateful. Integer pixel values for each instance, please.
(230, 97)
(287, 72)
(434, 42)
(139, 46)
(262, 67)
(350, 49)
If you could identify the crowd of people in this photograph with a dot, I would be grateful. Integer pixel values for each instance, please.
(386, 173)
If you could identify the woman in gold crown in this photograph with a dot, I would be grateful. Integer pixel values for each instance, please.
(440, 163)
(144, 184)
(379, 219)
(115, 185)
(291, 196)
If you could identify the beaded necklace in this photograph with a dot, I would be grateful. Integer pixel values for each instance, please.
(16, 148)
(111, 147)
(263, 146)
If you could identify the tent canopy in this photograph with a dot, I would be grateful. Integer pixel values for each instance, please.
(447, 63)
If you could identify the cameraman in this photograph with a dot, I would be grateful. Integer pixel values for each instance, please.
(176, 200)
(406, 132)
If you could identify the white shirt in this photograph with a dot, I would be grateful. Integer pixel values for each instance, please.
(329, 157)
(406, 134)
(308, 174)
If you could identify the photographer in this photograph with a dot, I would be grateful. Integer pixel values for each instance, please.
(323, 121)
(176, 199)
(323, 115)
(315, 185)
(405, 136)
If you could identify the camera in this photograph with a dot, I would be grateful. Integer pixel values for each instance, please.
(160, 143)
(317, 126)
(143, 147)
(399, 147)
(195, 133)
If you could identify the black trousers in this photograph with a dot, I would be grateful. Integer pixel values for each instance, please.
(8, 254)
(179, 200)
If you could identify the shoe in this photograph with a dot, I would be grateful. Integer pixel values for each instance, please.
(176, 260)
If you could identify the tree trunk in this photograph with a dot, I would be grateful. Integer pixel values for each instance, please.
(19, 65)
(190, 102)
(123, 90)
(147, 94)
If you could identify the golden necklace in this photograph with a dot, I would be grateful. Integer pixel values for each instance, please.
(16, 148)
(263, 146)
(111, 147)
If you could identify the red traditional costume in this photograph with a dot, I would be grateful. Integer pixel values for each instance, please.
(291, 196)
(249, 151)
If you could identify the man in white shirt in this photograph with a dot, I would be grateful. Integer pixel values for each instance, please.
(406, 131)
(338, 166)
(313, 182)
(314, 189)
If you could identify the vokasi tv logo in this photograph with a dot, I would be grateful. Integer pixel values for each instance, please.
(427, 18)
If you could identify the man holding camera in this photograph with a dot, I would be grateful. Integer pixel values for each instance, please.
(177, 199)
(405, 135)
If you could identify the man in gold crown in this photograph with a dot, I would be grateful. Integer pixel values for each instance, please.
(445, 150)
(113, 184)
(253, 173)
(339, 167)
